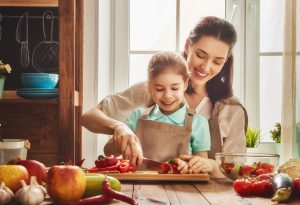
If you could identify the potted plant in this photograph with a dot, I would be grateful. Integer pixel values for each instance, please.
(252, 139)
(4, 70)
(276, 135)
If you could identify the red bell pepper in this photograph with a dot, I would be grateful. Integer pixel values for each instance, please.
(111, 160)
(124, 166)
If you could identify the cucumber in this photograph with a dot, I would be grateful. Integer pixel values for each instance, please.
(94, 184)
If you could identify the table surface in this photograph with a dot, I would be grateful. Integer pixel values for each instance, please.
(214, 192)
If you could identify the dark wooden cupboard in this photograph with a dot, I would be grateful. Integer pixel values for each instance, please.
(52, 126)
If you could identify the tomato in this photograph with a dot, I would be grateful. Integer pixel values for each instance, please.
(243, 187)
(227, 166)
(296, 186)
(266, 166)
(246, 170)
(267, 176)
(164, 168)
(260, 171)
(263, 188)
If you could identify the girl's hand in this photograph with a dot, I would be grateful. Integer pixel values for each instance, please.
(182, 166)
(197, 164)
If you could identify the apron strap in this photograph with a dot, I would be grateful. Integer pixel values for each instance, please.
(189, 118)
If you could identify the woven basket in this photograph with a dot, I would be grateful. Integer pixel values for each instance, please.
(13, 148)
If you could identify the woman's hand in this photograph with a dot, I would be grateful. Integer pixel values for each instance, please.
(197, 164)
(128, 144)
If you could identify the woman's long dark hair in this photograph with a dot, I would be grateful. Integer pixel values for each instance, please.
(219, 87)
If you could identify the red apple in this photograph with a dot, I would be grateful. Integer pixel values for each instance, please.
(65, 183)
(12, 174)
(296, 186)
(35, 168)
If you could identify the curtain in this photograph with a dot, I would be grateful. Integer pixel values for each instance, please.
(291, 89)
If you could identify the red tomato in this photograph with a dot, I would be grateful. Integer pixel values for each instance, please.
(267, 176)
(296, 187)
(263, 188)
(260, 171)
(267, 166)
(174, 169)
(227, 166)
(164, 168)
(247, 170)
(243, 187)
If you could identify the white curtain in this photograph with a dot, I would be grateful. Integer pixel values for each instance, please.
(291, 71)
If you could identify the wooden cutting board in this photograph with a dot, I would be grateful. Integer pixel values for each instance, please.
(154, 176)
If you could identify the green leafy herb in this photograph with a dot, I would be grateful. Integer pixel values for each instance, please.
(252, 137)
(276, 133)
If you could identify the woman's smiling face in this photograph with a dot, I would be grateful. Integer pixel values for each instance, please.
(205, 59)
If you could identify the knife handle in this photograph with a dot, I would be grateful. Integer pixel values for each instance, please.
(25, 59)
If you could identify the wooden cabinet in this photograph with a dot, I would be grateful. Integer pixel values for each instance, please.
(52, 126)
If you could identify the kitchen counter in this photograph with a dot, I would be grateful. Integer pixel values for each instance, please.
(214, 192)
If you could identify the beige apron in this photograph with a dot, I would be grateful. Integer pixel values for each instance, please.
(215, 134)
(163, 141)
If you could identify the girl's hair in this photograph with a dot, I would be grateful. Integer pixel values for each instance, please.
(164, 61)
(220, 86)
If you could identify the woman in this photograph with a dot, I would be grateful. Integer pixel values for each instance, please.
(210, 61)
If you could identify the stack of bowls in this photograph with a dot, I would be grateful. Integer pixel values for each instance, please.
(38, 85)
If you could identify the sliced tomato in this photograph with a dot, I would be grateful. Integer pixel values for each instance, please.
(164, 168)
(247, 170)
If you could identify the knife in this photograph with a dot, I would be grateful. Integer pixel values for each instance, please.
(149, 164)
(22, 38)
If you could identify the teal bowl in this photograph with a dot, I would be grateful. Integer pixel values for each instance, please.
(39, 80)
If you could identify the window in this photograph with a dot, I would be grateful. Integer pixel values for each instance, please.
(143, 27)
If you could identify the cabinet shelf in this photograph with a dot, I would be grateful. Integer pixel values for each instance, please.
(29, 101)
(29, 3)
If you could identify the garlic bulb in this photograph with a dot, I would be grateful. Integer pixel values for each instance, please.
(32, 194)
(6, 195)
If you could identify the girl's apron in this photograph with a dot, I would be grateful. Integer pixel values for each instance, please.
(163, 141)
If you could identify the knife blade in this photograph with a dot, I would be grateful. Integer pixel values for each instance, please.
(149, 164)
(22, 38)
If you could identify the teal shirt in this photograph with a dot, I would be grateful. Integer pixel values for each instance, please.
(200, 138)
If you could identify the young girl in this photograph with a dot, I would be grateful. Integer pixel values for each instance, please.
(169, 129)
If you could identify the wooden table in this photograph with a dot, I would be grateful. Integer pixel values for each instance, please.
(216, 191)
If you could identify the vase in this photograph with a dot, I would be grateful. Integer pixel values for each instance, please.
(2, 80)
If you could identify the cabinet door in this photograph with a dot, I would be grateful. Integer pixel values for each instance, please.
(70, 69)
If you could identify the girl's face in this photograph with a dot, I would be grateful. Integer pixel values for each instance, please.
(167, 90)
(205, 59)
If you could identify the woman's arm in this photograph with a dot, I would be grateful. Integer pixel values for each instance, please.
(108, 117)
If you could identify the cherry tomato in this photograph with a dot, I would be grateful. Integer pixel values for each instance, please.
(246, 170)
(243, 187)
(164, 168)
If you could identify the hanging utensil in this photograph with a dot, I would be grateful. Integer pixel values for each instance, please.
(45, 54)
(22, 38)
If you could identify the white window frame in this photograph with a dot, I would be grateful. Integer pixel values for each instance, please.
(245, 17)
